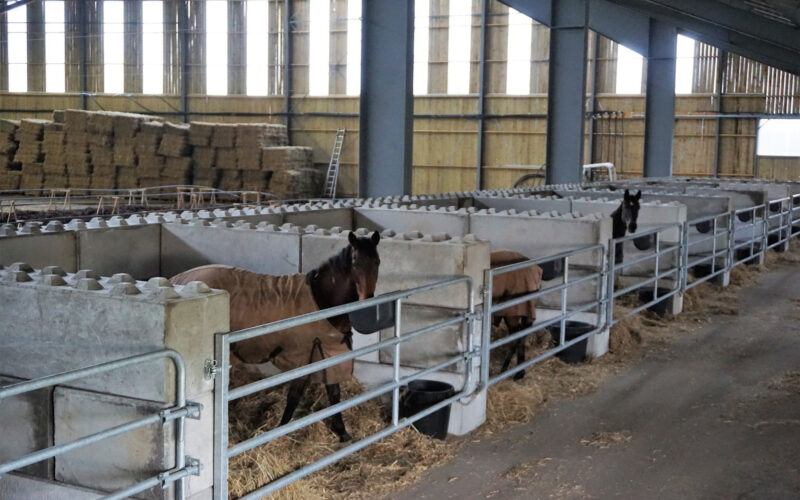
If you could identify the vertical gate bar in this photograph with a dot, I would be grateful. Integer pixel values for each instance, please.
(222, 356)
(714, 248)
(564, 302)
(612, 250)
(486, 328)
(180, 426)
(398, 307)
(683, 264)
(658, 255)
(731, 241)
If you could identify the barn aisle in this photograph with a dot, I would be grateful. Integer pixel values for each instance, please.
(715, 414)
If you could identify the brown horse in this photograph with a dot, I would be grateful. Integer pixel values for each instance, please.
(508, 286)
(257, 299)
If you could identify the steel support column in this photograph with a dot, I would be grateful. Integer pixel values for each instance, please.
(566, 105)
(722, 61)
(287, 65)
(660, 100)
(481, 95)
(387, 98)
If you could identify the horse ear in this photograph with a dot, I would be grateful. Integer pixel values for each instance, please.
(627, 194)
(638, 195)
(352, 238)
(376, 237)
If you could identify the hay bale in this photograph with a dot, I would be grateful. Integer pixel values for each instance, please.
(150, 182)
(8, 126)
(255, 180)
(101, 156)
(151, 128)
(10, 180)
(248, 158)
(104, 181)
(105, 141)
(104, 170)
(76, 121)
(127, 177)
(287, 158)
(126, 125)
(54, 167)
(151, 166)
(178, 168)
(52, 181)
(226, 159)
(204, 157)
(29, 152)
(174, 145)
(230, 180)
(289, 184)
(8, 143)
(33, 127)
(58, 116)
(260, 135)
(31, 180)
(54, 138)
(124, 154)
(224, 135)
(101, 123)
(200, 133)
(204, 176)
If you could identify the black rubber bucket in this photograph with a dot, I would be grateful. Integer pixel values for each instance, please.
(775, 207)
(704, 226)
(644, 242)
(421, 395)
(660, 307)
(774, 238)
(575, 353)
(372, 319)
(796, 230)
(745, 216)
(552, 269)
(746, 255)
(701, 270)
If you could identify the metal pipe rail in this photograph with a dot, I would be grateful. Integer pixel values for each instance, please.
(756, 237)
(223, 394)
(181, 409)
(487, 346)
(718, 221)
(676, 270)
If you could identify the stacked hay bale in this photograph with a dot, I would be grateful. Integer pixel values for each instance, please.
(78, 162)
(176, 151)
(55, 161)
(100, 137)
(204, 171)
(126, 126)
(10, 170)
(30, 155)
(223, 140)
(150, 164)
(293, 172)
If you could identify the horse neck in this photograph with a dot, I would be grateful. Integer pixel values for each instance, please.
(619, 228)
(331, 288)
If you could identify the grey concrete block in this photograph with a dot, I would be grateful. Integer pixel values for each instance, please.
(27, 427)
(404, 220)
(131, 249)
(115, 463)
(18, 487)
(41, 250)
(326, 218)
(262, 250)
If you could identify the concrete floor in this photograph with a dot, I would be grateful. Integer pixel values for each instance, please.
(701, 418)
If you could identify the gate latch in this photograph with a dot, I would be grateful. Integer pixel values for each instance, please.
(210, 369)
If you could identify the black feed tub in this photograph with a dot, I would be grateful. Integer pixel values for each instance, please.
(646, 295)
(775, 238)
(372, 319)
(552, 269)
(701, 270)
(745, 216)
(644, 242)
(747, 255)
(575, 353)
(422, 394)
(704, 226)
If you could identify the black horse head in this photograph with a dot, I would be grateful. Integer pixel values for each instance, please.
(629, 211)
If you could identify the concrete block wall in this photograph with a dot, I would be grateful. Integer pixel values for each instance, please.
(427, 219)
(81, 319)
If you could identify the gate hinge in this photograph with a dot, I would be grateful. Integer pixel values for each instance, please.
(210, 369)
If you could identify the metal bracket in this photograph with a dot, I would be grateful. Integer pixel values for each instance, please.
(194, 464)
(192, 410)
(210, 369)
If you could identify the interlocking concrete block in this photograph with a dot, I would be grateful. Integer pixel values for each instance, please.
(326, 218)
(115, 463)
(131, 249)
(541, 204)
(89, 321)
(407, 219)
(27, 427)
(260, 250)
(19, 487)
(407, 262)
(41, 250)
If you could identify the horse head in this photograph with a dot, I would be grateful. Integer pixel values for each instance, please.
(364, 263)
(629, 210)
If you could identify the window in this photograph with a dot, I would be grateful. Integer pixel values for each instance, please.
(421, 24)
(458, 45)
(18, 49)
(217, 47)
(353, 47)
(257, 17)
(55, 76)
(113, 46)
(518, 74)
(319, 47)
(684, 65)
(629, 71)
(779, 137)
(153, 47)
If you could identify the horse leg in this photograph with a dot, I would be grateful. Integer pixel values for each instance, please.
(293, 398)
(336, 421)
(512, 327)
(524, 323)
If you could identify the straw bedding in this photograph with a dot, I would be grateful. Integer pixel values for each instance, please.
(403, 458)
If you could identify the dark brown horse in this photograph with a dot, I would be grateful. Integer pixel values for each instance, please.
(257, 299)
(624, 218)
(508, 286)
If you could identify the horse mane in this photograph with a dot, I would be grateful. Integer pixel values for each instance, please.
(339, 263)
